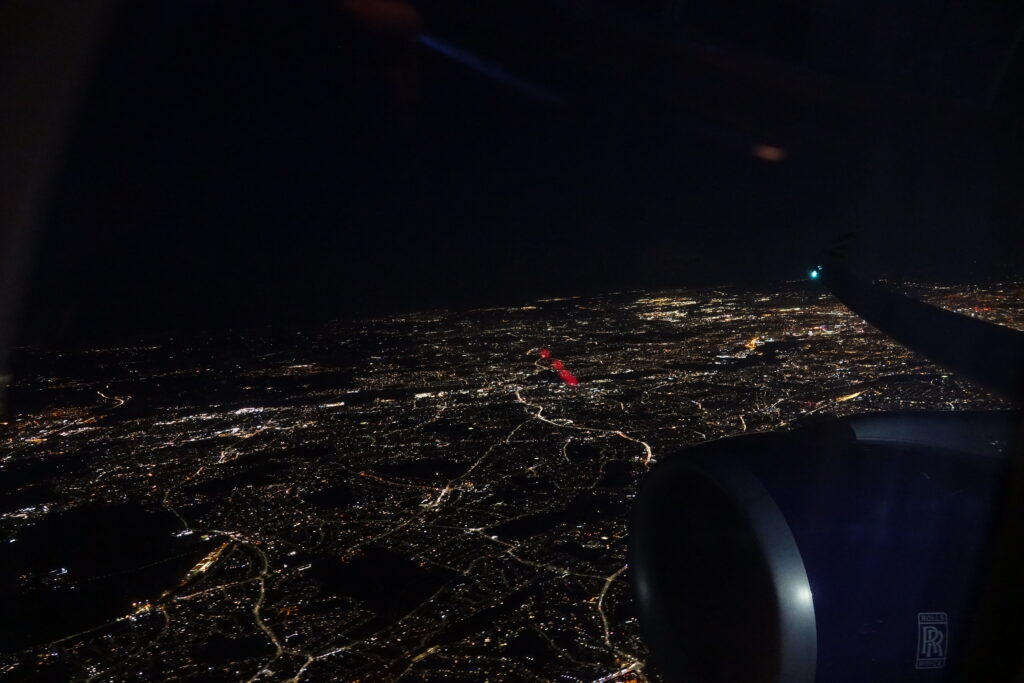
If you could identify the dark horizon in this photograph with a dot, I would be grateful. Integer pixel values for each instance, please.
(288, 167)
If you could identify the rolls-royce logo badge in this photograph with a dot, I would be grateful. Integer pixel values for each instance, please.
(932, 640)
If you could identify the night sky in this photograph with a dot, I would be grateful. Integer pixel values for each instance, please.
(243, 164)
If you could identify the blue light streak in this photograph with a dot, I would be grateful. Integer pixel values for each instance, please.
(492, 71)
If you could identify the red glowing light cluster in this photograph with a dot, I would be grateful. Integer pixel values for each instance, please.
(559, 367)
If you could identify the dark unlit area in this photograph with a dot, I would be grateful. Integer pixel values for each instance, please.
(238, 164)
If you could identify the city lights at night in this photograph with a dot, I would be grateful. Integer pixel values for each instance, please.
(416, 341)
(415, 496)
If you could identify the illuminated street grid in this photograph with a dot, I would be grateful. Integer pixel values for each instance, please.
(417, 497)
